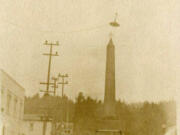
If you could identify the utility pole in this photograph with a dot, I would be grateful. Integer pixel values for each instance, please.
(50, 54)
(55, 79)
(54, 85)
(63, 82)
(45, 118)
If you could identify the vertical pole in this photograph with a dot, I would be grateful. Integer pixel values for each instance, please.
(52, 128)
(63, 82)
(49, 68)
(64, 101)
(62, 86)
(50, 54)
(3, 130)
(44, 127)
(55, 86)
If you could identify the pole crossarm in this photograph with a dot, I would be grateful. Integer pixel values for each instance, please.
(63, 76)
(46, 83)
(49, 43)
(46, 91)
(63, 82)
(48, 54)
(54, 86)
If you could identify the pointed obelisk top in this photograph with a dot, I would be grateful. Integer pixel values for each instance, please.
(110, 41)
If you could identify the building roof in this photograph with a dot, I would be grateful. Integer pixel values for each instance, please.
(107, 130)
(2, 71)
(33, 117)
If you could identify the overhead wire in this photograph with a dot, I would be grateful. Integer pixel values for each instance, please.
(55, 31)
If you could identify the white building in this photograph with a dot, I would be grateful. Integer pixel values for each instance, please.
(11, 105)
(33, 125)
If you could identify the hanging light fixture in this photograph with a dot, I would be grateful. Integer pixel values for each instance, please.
(114, 23)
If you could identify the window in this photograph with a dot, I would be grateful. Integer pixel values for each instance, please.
(15, 106)
(21, 110)
(31, 126)
(2, 100)
(8, 102)
(67, 131)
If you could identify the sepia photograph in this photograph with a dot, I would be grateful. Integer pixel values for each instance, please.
(89, 67)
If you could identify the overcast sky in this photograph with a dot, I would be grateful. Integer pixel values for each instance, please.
(146, 43)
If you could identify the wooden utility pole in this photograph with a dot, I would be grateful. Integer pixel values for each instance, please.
(50, 54)
(55, 79)
(45, 118)
(63, 82)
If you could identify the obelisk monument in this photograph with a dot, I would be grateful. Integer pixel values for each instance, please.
(109, 97)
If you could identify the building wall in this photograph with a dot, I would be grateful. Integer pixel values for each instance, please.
(11, 105)
(64, 128)
(35, 128)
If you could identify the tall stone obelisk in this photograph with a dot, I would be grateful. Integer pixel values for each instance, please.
(109, 98)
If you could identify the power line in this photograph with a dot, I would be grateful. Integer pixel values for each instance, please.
(61, 32)
(80, 30)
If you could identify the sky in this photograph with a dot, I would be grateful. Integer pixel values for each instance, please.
(146, 45)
